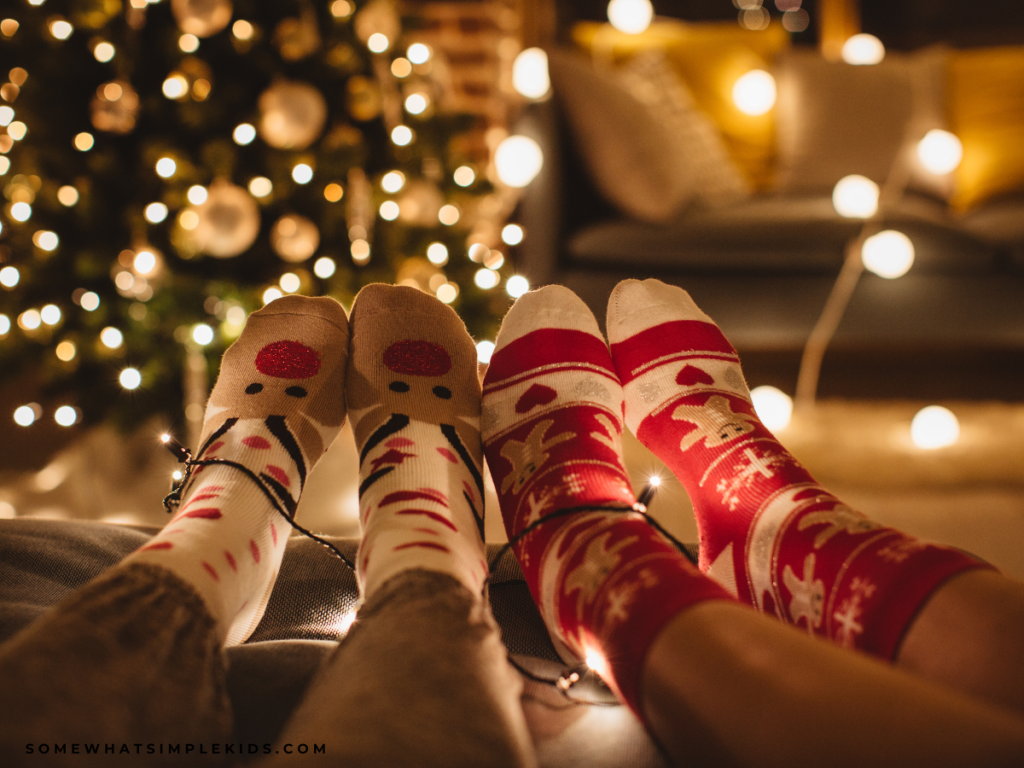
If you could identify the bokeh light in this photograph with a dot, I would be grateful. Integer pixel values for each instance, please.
(863, 49)
(888, 254)
(530, 73)
(855, 197)
(773, 407)
(940, 152)
(934, 427)
(630, 16)
(518, 160)
(754, 92)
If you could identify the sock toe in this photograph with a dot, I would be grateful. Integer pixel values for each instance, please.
(550, 307)
(636, 305)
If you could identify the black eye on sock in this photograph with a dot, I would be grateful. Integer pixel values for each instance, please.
(443, 392)
(295, 391)
(398, 386)
(254, 388)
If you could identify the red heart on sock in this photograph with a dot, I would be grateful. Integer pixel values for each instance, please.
(691, 375)
(536, 395)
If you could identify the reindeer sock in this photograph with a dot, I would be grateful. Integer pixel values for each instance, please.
(414, 397)
(277, 406)
(605, 582)
(768, 532)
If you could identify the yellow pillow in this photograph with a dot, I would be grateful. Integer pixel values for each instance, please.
(986, 104)
(710, 57)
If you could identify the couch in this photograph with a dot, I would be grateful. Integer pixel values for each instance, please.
(763, 260)
(42, 561)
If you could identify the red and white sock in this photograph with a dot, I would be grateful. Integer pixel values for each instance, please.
(277, 406)
(768, 532)
(605, 582)
(413, 395)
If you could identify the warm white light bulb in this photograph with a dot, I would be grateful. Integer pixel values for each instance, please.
(103, 52)
(130, 378)
(24, 416)
(244, 133)
(165, 167)
(855, 197)
(197, 194)
(940, 152)
(389, 210)
(530, 73)
(888, 254)
(145, 262)
(484, 350)
(111, 337)
(324, 267)
(934, 427)
(401, 135)
(155, 213)
(464, 176)
(773, 407)
(418, 53)
(512, 234)
(271, 294)
(518, 160)
(378, 43)
(486, 278)
(863, 49)
(202, 334)
(302, 173)
(416, 104)
(289, 282)
(516, 286)
(392, 181)
(50, 314)
(754, 92)
(66, 416)
(630, 16)
(437, 253)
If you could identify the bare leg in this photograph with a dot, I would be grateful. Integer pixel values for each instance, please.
(970, 636)
(735, 688)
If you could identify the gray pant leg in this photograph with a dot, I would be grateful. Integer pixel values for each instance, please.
(422, 679)
(131, 658)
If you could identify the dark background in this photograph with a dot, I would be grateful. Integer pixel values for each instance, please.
(900, 24)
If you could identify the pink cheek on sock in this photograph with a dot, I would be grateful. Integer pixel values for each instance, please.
(157, 545)
(210, 570)
(257, 442)
(426, 530)
(231, 560)
(255, 550)
(214, 447)
(279, 474)
(273, 533)
(399, 442)
(448, 455)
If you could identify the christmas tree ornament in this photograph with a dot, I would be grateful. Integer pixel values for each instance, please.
(201, 18)
(292, 114)
(229, 221)
(294, 238)
(419, 203)
(115, 107)
(297, 38)
(378, 17)
(363, 98)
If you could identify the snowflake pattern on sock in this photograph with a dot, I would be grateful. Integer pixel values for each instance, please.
(768, 531)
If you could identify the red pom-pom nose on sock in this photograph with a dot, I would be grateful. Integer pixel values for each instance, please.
(769, 533)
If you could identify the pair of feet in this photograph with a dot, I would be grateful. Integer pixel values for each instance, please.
(553, 401)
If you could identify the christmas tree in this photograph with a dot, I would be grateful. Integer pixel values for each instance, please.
(170, 167)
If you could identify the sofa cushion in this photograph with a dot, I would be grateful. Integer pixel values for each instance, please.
(835, 119)
(986, 95)
(631, 156)
(652, 80)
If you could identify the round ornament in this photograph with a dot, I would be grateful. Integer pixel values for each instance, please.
(362, 98)
(294, 238)
(419, 203)
(292, 114)
(229, 221)
(114, 107)
(202, 18)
